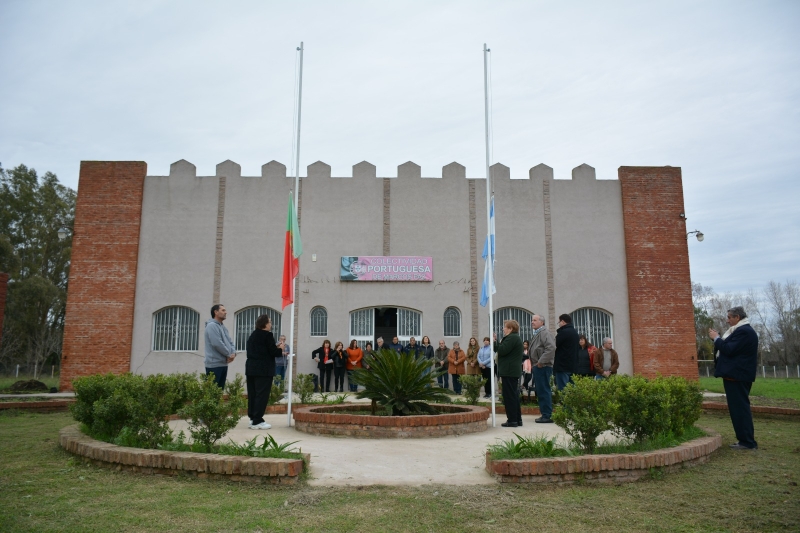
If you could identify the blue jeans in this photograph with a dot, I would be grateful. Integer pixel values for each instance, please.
(280, 371)
(350, 385)
(563, 379)
(541, 378)
(220, 375)
(599, 377)
(444, 380)
(457, 383)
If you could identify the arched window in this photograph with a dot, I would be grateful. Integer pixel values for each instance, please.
(176, 329)
(514, 313)
(594, 323)
(246, 322)
(452, 322)
(319, 322)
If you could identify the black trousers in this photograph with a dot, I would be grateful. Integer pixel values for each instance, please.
(737, 394)
(338, 378)
(258, 389)
(487, 375)
(511, 398)
(325, 379)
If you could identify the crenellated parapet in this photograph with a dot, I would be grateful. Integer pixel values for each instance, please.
(365, 170)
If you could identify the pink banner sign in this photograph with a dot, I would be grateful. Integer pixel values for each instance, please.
(386, 268)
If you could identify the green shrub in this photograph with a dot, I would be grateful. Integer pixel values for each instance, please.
(276, 392)
(130, 409)
(586, 410)
(472, 386)
(686, 401)
(643, 407)
(400, 383)
(303, 386)
(113, 411)
(209, 417)
(88, 390)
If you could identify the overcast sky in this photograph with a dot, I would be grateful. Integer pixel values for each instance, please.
(711, 87)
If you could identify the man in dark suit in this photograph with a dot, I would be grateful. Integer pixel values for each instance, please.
(568, 344)
(736, 362)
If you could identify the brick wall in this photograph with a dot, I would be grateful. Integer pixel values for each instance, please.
(102, 282)
(659, 284)
(3, 292)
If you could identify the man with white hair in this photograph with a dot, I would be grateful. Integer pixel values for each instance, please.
(736, 363)
(542, 351)
(606, 360)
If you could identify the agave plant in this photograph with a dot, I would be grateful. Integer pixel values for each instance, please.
(401, 383)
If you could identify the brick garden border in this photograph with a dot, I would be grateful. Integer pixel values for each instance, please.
(458, 420)
(199, 465)
(43, 406)
(611, 468)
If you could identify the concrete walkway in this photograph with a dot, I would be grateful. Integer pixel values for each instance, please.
(337, 461)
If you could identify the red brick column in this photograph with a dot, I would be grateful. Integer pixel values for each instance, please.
(98, 328)
(659, 283)
(3, 293)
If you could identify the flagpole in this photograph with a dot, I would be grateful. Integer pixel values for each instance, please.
(490, 255)
(295, 199)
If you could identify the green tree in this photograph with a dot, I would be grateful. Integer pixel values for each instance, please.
(32, 210)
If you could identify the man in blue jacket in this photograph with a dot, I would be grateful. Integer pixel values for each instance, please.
(220, 350)
(736, 362)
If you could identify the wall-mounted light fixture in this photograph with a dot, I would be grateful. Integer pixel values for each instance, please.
(698, 234)
(62, 233)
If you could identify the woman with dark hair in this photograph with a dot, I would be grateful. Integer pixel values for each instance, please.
(585, 357)
(324, 359)
(339, 364)
(427, 351)
(526, 365)
(369, 354)
(354, 357)
(472, 357)
(259, 370)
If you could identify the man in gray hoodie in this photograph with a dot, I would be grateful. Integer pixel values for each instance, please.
(220, 350)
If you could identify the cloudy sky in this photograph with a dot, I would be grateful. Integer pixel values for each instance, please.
(712, 87)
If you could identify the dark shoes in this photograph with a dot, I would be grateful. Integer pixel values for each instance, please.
(740, 446)
(543, 420)
(519, 424)
(509, 425)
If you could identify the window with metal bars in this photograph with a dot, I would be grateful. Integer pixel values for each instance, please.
(594, 323)
(522, 316)
(319, 322)
(176, 329)
(245, 323)
(452, 322)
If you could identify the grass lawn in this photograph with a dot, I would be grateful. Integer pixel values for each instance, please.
(782, 391)
(7, 381)
(44, 489)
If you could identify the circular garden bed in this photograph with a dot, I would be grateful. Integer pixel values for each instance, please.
(347, 420)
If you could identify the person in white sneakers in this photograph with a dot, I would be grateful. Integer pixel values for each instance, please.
(260, 369)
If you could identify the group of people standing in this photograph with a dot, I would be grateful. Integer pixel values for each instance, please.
(337, 361)
(543, 357)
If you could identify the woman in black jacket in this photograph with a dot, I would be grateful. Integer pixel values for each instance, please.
(260, 369)
(338, 366)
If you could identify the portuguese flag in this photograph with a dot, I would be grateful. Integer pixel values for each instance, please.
(291, 254)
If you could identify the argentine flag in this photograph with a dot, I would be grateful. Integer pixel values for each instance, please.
(488, 256)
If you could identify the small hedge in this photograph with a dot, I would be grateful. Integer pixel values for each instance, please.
(633, 408)
(133, 410)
